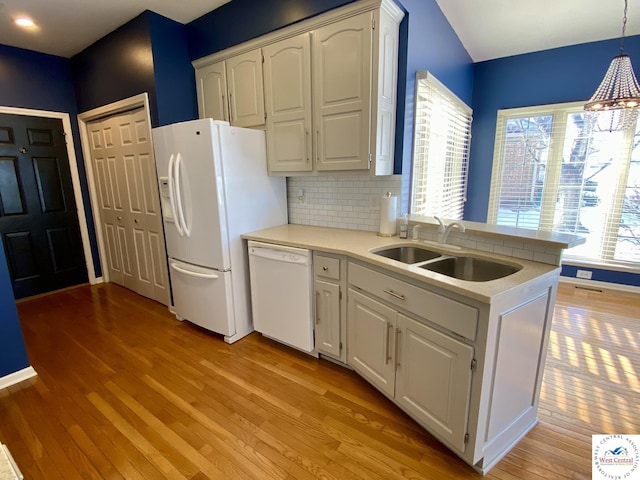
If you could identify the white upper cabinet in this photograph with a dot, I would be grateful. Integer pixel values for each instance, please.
(212, 92)
(287, 86)
(245, 86)
(232, 90)
(342, 93)
(329, 90)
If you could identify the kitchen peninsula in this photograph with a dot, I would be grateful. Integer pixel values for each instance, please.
(465, 359)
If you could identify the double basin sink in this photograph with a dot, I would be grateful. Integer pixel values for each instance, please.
(462, 267)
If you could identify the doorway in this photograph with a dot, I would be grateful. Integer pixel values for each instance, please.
(39, 217)
(126, 201)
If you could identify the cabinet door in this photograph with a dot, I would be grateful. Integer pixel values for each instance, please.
(287, 95)
(212, 92)
(245, 87)
(383, 93)
(371, 340)
(327, 317)
(342, 93)
(434, 379)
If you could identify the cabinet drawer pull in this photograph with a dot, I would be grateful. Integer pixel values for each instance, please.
(399, 296)
(388, 349)
(325, 268)
(398, 332)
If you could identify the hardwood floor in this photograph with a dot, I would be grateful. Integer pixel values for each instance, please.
(126, 391)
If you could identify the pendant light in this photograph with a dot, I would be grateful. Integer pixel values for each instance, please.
(619, 92)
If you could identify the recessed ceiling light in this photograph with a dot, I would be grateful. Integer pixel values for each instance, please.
(24, 22)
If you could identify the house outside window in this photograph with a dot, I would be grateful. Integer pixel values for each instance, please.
(442, 136)
(558, 168)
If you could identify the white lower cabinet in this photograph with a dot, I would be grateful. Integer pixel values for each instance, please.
(371, 335)
(469, 372)
(427, 372)
(330, 309)
(433, 379)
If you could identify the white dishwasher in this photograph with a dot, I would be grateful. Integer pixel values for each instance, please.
(281, 292)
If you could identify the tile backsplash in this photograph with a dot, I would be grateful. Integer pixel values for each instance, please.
(352, 202)
(348, 201)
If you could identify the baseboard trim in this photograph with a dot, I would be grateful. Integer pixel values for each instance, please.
(596, 285)
(17, 377)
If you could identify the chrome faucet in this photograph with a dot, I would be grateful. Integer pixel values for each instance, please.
(445, 231)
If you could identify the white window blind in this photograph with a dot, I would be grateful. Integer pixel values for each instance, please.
(442, 136)
(557, 168)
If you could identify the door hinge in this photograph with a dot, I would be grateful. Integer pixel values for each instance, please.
(340, 295)
(474, 365)
(262, 55)
(373, 23)
(265, 116)
(370, 159)
(466, 438)
(340, 346)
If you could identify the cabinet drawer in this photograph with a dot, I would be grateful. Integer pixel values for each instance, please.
(327, 267)
(450, 314)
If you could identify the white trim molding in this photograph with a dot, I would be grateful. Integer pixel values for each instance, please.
(17, 377)
(75, 178)
(131, 103)
(597, 285)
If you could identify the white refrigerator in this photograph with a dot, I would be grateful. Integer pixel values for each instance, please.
(214, 187)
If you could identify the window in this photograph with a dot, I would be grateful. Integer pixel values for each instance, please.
(557, 168)
(441, 150)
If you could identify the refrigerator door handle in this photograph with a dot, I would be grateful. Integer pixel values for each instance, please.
(212, 276)
(172, 196)
(185, 228)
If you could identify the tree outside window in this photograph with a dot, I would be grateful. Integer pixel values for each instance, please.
(556, 169)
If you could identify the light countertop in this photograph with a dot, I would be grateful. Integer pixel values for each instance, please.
(551, 239)
(359, 245)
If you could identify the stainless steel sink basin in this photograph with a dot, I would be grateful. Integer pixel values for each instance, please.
(470, 268)
(408, 254)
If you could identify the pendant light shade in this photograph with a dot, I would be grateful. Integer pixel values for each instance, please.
(619, 89)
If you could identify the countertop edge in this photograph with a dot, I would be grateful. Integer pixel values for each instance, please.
(358, 244)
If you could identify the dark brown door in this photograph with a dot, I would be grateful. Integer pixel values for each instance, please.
(38, 218)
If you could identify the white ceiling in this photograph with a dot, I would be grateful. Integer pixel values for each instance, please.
(66, 27)
(487, 28)
(500, 28)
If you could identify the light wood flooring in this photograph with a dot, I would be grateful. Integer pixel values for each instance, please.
(124, 391)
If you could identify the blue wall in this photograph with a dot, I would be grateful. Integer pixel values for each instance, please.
(559, 75)
(13, 356)
(567, 74)
(173, 73)
(118, 66)
(147, 54)
(241, 20)
(431, 44)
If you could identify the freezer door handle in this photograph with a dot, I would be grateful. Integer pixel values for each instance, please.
(178, 166)
(172, 196)
(177, 268)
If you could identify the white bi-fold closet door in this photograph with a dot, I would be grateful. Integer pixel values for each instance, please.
(129, 208)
